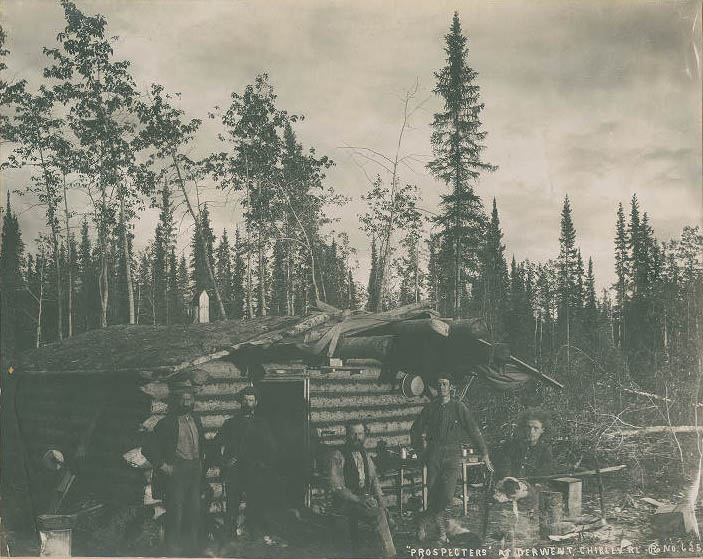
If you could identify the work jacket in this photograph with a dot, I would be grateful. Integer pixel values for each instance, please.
(447, 427)
(518, 459)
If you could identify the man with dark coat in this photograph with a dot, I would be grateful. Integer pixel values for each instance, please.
(176, 450)
(441, 428)
(246, 449)
(527, 454)
(356, 490)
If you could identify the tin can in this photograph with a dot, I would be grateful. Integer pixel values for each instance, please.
(403, 453)
(464, 452)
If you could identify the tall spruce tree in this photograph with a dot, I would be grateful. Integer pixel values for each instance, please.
(457, 146)
(568, 263)
(372, 296)
(201, 259)
(494, 276)
(238, 276)
(163, 243)
(621, 273)
(223, 271)
(11, 284)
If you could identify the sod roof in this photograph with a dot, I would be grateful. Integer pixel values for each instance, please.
(143, 347)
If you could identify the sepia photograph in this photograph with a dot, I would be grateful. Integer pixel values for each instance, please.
(326, 279)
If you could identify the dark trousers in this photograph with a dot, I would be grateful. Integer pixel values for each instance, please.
(377, 520)
(443, 466)
(241, 480)
(182, 502)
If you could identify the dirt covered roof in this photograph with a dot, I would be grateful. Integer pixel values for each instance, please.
(142, 347)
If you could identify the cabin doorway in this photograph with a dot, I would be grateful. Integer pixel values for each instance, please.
(284, 404)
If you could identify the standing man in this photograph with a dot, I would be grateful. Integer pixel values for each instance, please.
(246, 449)
(441, 428)
(176, 451)
(356, 490)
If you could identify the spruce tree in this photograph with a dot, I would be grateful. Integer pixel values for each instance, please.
(200, 260)
(457, 147)
(494, 276)
(372, 296)
(238, 276)
(568, 262)
(223, 271)
(11, 284)
(163, 242)
(621, 273)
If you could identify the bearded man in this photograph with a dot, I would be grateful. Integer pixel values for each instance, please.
(176, 450)
(356, 490)
(246, 448)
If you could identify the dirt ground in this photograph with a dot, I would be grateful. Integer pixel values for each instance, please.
(628, 533)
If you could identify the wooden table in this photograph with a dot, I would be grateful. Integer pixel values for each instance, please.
(410, 464)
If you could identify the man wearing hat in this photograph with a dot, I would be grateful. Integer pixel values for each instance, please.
(176, 451)
(246, 448)
(441, 428)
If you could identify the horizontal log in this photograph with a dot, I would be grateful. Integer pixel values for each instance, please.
(420, 327)
(318, 417)
(319, 375)
(326, 400)
(372, 441)
(350, 388)
(221, 369)
(375, 347)
(219, 388)
(307, 324)
(363, 362)
(374, 428)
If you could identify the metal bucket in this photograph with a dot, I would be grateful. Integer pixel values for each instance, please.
(55, 534)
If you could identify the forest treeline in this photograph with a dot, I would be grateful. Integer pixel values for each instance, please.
(89, 132)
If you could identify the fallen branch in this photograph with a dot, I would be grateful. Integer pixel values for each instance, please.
(647, 395)
(657, 429)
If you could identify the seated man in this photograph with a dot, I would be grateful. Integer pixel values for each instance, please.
(527, 454)
(355, 487)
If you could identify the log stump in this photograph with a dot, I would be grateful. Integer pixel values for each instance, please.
(550, 512)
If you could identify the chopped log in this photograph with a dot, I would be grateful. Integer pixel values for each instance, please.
(157, 390)
(657, 429)
(570, 488)
(674, 520)
(376, 347)
(421, 326)
(550, 507)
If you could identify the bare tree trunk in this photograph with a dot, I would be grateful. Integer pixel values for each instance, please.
(262, 273)
(41, 299)
(250, 287)
(127, 262)
(201, 239)
(68, 253)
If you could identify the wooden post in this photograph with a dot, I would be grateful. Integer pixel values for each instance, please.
(464, 487)
(550, 506)
(424, 488)
(400, 489)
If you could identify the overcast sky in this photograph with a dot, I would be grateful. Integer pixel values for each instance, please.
(597, 100)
